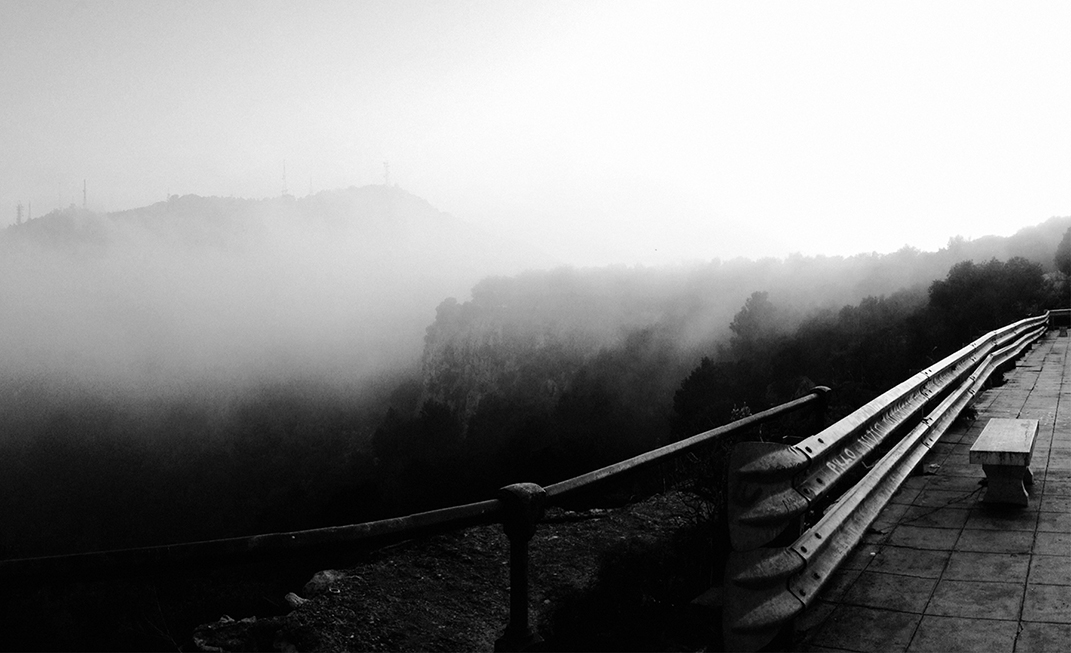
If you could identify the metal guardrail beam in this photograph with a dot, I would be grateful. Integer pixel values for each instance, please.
(770, 485)
(816, 398)
(766, 587)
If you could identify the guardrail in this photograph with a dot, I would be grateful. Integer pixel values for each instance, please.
(519, 508)
(1060, 317)
(772, 486)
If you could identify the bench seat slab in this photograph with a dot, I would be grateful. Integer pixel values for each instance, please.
(1005, 442)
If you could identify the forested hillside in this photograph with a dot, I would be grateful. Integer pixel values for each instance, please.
(526, 334)
(511, 326)
(547, 374)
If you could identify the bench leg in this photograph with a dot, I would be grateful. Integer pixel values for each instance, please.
(1005, 484)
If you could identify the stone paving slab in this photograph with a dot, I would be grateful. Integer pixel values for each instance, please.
(856, 628)
(936, 633)
(986, 599)
(969, 565)
(941, 571)
(1042, 637)
(1049, 570)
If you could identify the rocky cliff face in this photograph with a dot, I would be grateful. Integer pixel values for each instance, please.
(526, 336)
(472, 350)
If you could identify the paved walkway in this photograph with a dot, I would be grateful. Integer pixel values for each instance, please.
(941, 571)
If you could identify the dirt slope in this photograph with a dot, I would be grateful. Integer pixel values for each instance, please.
(609, 579)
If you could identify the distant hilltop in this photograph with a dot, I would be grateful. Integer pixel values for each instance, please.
(381, 215)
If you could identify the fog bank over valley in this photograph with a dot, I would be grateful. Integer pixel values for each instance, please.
(209, 294)
(333, 288)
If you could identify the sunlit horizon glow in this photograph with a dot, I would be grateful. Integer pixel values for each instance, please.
(599, 132)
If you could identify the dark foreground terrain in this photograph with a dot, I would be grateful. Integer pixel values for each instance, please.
(601, 579)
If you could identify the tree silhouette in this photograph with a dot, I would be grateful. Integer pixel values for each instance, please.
(976, 298)
(704, 399)
(1063, 253)
(754, 326)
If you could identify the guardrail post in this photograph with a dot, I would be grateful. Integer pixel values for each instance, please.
(821, 407)
(524, 508)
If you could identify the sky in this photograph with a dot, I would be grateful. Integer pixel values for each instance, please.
(600, 132)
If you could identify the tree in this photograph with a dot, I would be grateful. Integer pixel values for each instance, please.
(1063, 253)
(704, 399)
(754, 326)
(974, 299)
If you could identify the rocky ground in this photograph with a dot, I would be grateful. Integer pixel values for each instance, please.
(601, 579)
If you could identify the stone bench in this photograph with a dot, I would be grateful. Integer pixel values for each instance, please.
(1004, 449)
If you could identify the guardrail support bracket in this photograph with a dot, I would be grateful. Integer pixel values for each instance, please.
(524, 508)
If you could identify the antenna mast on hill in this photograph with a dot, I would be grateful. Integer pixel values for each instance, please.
(18, 214)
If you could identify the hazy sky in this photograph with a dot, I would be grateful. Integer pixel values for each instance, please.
(600, 131)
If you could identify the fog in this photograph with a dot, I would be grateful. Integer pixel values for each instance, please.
(216, 296)
(229, 293)
(615, 132)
